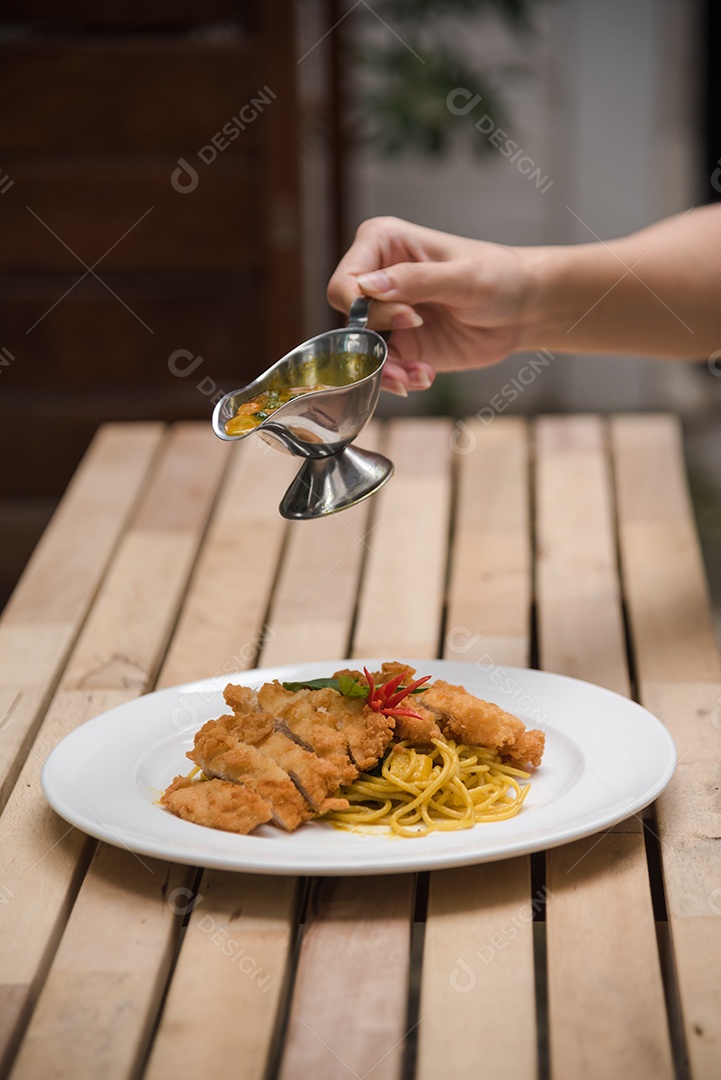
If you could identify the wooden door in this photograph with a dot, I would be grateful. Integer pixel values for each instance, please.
(150, 234)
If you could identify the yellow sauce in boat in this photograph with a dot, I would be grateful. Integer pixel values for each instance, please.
(252, 413)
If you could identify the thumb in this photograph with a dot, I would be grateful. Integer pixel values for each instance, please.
(414, 282)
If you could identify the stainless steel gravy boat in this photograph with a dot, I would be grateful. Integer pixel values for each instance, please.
(319, 426)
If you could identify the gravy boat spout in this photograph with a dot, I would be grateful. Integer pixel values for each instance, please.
(337, 379)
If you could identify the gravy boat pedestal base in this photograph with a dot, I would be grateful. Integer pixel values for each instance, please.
(326, 485)
(336, 381)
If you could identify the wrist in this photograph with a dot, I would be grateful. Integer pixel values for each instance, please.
(567, 283)
(553, 296)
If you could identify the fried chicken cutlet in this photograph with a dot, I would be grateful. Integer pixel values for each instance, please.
(219, 805)
(292, 751)
(222, 754)
(343, 729)
(481, 723)
(452, 711)
(416, 731)
(283, 756)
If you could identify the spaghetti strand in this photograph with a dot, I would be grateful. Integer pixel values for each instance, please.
(443, 787)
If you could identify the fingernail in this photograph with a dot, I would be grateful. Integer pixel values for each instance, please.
(406, 320)
(376, 283)
(395, 386)
(419, 379)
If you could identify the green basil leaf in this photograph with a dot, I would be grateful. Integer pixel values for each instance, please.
(312, 684)
(346, 685)
(350, 688)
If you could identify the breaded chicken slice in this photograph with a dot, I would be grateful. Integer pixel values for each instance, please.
(315, 778)
(471, 720)
(248, 721)
(316, 769)
(221, 753)
(250, 718)
(417, 732)
(272, 706)
(243, 700)
(368, 733)
(303, 717)
(330, 722)
(217, 804)
(389, 670)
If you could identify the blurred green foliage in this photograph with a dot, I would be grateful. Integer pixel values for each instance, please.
(408, 75)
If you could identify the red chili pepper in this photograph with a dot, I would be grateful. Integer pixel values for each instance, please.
(386, 698)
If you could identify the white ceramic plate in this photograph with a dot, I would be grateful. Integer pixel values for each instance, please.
(606, 758)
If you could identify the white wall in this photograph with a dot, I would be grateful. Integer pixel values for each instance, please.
(604, 106)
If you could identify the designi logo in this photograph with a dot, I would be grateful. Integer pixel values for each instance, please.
(185, 178)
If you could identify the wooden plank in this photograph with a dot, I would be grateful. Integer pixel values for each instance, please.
(85, 1024)
(145, 224)
(73, 419)
(364, 926)
(230, 975)
(318, 585)
(160, 547)
(22, 523)
(599, 914)
(127, 96)
(42, 619)
(43, 861)
(310, 619)
(404, 582)
(692, 713)
(580, 620)
(679, 673)
(115, 658)
(238, 561)
(478, 971)
(220, 628)
(607, 1012)
(673, 627)
(477, 980)
(340, 1025)
(490, 590)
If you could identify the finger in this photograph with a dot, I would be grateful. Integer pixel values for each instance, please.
(379, 242)
(393, 316)
(400, 376)
(415, 282)
(420, 375)
(364, 254)
(395, 378)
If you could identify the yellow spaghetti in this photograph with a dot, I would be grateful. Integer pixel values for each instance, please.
(446, 786)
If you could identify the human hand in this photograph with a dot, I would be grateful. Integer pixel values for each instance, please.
(451, 303)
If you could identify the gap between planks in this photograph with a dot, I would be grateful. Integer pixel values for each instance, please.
(305, 590)
(44, 615)
(363, 925)
(464, 997)
(245, 924)
(606, 1003)
(114, 660)
(679, 674)
(132, 969)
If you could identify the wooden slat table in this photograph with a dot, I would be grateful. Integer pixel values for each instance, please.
(567, 544)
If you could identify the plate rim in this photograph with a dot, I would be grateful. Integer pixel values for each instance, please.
(155, 846)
